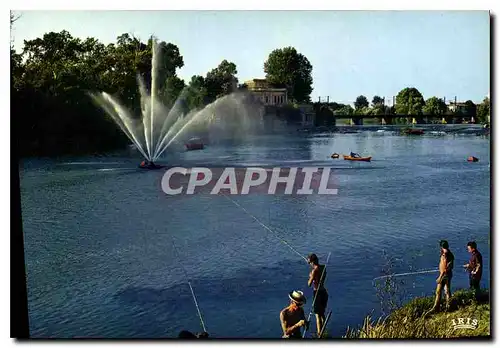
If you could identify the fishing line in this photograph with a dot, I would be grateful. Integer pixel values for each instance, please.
(190, 287)
(316, 294)
(267, 228)
(408, 273)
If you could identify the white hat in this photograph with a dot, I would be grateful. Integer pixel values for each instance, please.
(297, 297)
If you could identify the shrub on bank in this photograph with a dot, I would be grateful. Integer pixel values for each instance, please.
(411, 320)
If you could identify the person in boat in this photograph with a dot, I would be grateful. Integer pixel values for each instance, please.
(355, 155)
(320, 294)
(293, 317)
(446, 262)
(475, 268)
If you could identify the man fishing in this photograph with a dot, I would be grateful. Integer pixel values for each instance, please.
(320, 295)
(446, 263)
(293, 317)
(475, 268)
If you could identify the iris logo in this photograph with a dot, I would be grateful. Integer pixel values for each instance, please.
(464, 323)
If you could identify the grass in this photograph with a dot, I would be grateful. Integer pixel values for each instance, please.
(410, 321)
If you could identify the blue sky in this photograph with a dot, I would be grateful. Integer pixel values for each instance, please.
(444, 54)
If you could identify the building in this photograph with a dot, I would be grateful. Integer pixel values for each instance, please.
(266, 93)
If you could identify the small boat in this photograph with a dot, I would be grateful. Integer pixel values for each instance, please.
(364, 159)
(472, 159)
(150, 165)
(335, 155)
(194, 144)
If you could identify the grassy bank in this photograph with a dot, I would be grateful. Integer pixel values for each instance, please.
(411, 321)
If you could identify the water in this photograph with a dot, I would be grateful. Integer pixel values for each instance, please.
(98, 235)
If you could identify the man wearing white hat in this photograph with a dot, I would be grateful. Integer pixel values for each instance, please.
(293, 317)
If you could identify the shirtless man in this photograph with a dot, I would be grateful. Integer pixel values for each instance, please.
(293, 317)
(445, 274)
(317, 280)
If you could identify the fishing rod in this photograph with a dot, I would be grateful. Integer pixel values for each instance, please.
(405, 274)
(267, 228)
(190, 287)
(316, 294)
(324, 325)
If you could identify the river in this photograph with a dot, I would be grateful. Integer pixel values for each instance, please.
(99, 234)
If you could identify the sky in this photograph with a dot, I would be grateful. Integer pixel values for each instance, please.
(443, 54)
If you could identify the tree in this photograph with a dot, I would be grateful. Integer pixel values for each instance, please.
(346, 110)
(361, 102)
(291, 69)
(470, 109)
(483, 111)
(172, 90)
(196, 92)
(435, 106)
(221, 80)
(365, 110)
(378, 107)
(409, 101)
(376, 101)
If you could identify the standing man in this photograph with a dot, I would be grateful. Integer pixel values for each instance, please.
(293, 317)
(475, 268)
(317, 280)
(446, 263)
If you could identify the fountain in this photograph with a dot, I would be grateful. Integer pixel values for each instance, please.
(158, 126)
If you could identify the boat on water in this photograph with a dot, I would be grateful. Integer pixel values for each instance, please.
(437, 133)
(150, 165)
(194, 144)
(362, 159)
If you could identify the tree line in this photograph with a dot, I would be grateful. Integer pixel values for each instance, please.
(410, 102)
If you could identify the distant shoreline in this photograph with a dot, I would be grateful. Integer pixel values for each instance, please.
(474, 129)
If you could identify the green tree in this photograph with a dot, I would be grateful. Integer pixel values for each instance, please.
(361, 102)
(291, 69)
(365, 110)
(435, 106)
(172, 89)
(346, 110)
(409, 101)
(483, 110)
(221, 80)
(196, 92)
(378, 107)
(376, 101)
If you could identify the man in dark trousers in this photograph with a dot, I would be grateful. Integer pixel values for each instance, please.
(446, 262)
(317, 280)
(475, 268)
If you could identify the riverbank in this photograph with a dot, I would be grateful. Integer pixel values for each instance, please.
(410, 320)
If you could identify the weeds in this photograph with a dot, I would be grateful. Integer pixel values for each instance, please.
(411, 321)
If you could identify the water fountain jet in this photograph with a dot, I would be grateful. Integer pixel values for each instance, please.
(157, 126)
